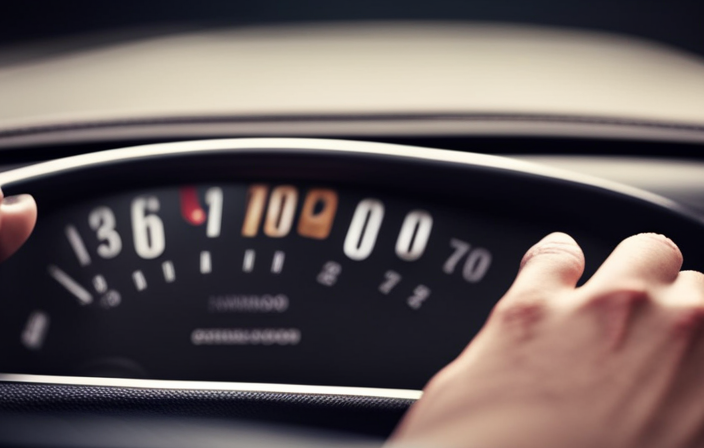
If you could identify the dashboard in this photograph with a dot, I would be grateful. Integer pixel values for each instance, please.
(339, 275)
(198, 271)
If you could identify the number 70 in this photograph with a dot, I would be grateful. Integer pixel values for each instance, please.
(475, 266)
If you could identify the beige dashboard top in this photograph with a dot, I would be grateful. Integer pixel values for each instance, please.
(368, 68)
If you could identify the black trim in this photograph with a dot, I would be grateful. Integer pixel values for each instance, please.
(363, 415)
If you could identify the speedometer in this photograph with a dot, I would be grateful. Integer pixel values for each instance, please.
(279, 261)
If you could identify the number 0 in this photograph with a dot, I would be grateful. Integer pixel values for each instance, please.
(364, 229)
(414, 235)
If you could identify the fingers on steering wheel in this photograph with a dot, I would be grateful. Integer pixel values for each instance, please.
(685, 299)
(18, 214)
(683, 412)
(553, 264)
(687, 290)
(636, 276)
(639, 264)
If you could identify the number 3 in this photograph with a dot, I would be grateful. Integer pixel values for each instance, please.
(102, 220)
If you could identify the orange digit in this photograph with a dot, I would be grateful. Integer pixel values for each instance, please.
(256, 200)
(318, 214)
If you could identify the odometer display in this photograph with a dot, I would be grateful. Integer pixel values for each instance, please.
(261, 282)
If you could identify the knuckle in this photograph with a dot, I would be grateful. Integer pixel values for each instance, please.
(688, 320)
(621, 299)
(614, 310)
(521, 317)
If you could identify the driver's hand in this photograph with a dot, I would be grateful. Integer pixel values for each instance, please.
(617, 362)
(18, 214)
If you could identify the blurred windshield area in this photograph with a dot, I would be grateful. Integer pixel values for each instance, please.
(674, 22)
(141, 71)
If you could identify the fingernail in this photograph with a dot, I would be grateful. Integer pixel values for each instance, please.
(16, 199)
(557, 237)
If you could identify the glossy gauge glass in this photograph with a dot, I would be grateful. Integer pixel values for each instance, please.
(260, 282)
(353, 269)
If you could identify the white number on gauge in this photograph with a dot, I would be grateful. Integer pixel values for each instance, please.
(476, 264)
(102, 221)
(147, 227)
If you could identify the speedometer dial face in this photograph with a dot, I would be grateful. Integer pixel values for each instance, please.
(261, 282)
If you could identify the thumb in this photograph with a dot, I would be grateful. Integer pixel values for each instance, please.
(18, 214)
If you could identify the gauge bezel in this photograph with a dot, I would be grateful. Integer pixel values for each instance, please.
(313, 160)
(471, 180)
(428, 173)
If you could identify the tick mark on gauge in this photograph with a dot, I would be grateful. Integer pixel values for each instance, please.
(139, 281)
(74, 238)
(100, 284)
(248, 262)
(35, 330)
(206, 266)
(71, 285)
(277, 264)
(169, 271)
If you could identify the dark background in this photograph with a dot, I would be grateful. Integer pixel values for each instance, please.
(678, 23)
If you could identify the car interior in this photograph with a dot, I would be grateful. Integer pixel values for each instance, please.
(273, 223)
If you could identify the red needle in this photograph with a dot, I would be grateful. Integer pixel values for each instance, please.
(190, 206)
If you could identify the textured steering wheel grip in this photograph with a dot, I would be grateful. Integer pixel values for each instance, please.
(367, 416)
